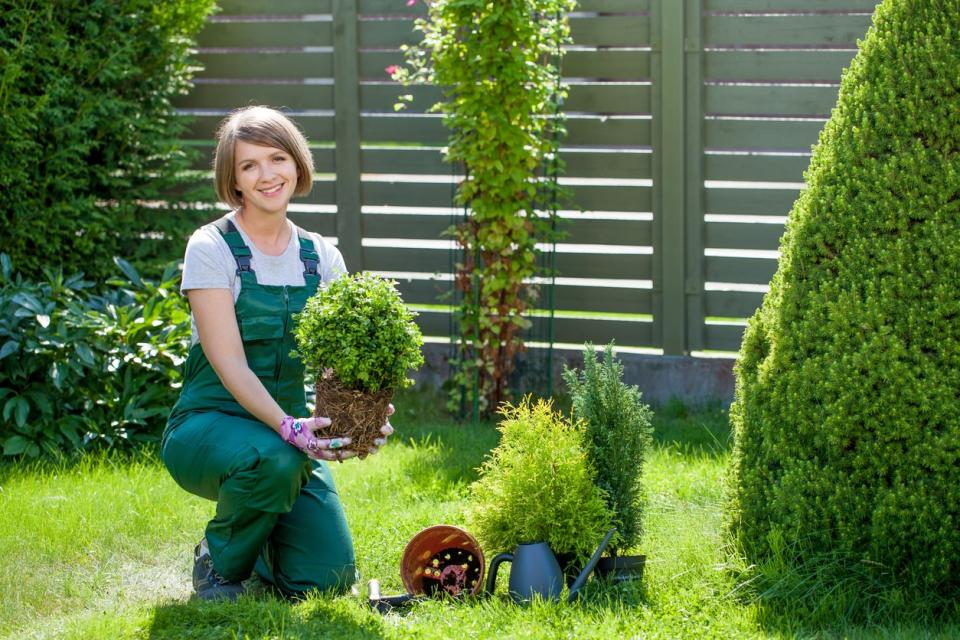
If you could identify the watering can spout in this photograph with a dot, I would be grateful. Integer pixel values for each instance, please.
(589, 567)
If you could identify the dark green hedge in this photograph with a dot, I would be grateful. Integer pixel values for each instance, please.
(847, 413)
(87, 133)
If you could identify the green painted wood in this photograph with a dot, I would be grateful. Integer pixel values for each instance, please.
(272, 7)
(693, 175)
(732, 304)
(770, 100)
(608, 98)
(287, 34)
(723, 337)
(796, 135)
(790, 5)
(737, 235)
(347, 133)
(388, 34)
(323, 223)
(587, 197)
(755, 168)
(609, 64)
(579, 265)
(583, 231)
(612, 130)
(785, 30)
(384, 128)
(413, 160)
(624, 163)
(617, 30)
(367, 8)
(740, 270)
(566, 297)
(383, 96)
(750, 202)
(291, 96)
(373, 64)
(293, 64)
(613, 6)
(778, 66)
(316, 128)
(672, 148)
(569, 330)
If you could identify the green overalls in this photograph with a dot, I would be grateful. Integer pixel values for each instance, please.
(277, 511)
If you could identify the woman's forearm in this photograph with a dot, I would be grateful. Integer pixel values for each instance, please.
(247, 389)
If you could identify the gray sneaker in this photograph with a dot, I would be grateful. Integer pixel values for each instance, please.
(207, 582)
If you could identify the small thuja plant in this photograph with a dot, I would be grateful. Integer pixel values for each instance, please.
(618, 437)
(498, 65)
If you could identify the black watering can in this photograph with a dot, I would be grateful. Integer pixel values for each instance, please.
(536, 571)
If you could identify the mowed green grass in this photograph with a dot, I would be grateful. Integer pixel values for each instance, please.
(101, 548)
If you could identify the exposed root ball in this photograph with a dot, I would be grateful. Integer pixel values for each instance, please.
(354, 414)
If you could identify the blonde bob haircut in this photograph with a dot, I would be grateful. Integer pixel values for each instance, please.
(265, 127)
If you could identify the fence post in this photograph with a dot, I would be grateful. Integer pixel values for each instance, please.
(678, 175)
(346, 104)
(693, 179)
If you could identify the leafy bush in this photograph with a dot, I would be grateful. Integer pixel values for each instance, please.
(538, 485)
(88, 134)
(847, 412)
(359, 327)
(80, 370)
(618, 436)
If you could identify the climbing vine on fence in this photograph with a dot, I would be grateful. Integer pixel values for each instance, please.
(498, 66)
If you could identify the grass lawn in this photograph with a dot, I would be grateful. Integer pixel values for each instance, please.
(101, 548)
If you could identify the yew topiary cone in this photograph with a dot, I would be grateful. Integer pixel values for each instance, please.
(847, 410)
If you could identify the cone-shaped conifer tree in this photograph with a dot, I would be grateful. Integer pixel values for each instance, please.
(847, 411)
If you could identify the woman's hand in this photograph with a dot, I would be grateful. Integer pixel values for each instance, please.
(386, 430)
(301, 433)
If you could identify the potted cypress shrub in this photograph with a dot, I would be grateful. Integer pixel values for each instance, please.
(618, 435)
(359, 340)
(537, 485)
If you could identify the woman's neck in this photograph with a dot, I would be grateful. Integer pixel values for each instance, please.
(270, 233)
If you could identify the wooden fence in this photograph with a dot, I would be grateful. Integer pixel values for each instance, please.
(690, 124)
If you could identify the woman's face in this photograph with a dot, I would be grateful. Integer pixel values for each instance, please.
(266, 177)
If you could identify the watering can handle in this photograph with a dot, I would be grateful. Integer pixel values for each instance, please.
(494, 565)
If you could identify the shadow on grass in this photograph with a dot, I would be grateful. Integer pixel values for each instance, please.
(704, 431)
(264, 617)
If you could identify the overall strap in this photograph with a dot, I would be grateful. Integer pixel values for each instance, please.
(308, 255)
(241, 252)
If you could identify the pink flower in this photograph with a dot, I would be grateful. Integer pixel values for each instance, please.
(410, 3)
(392, 69)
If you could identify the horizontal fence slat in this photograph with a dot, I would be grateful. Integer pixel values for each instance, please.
(608, 65)
(287, 34)
(323, 223)
(720, 337)
(418, 160)
(581, 265)
(608, 131)
(785, 30)
(232, 96)
(790, 5)
(750, 202)
(272, 7)
(740, 270)
(293, 64)
(315, 127)
(607, 164)
(608, 98)
(412, 129)
(626, 333)
(613, 6)
(759, 168)
(770, 100)
(625, 30)
(738, 235)
(387, 34)
(390, 7)
(383, 96)
(565, 297)
(779, 66)
(731, 304)
(799, 135)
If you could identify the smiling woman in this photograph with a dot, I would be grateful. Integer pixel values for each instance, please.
(232, 436)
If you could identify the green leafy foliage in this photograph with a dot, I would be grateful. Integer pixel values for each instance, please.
(498, 65)
(847, 412)
(88, 135)
(79, 370)
(619, 434)
(538, 485)
(359, 327)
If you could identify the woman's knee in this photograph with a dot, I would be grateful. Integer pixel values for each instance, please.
(281, 472)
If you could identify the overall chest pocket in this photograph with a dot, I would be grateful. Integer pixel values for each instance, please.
(263, 343)
(261, 328)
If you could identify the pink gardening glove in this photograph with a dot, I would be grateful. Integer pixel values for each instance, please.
(386, 430)
(301, 433)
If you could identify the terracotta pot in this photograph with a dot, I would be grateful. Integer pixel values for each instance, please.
(426, 569)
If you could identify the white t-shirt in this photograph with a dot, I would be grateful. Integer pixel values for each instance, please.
(208, 263)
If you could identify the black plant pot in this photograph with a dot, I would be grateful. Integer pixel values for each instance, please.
(621, 568)
(570, 566)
